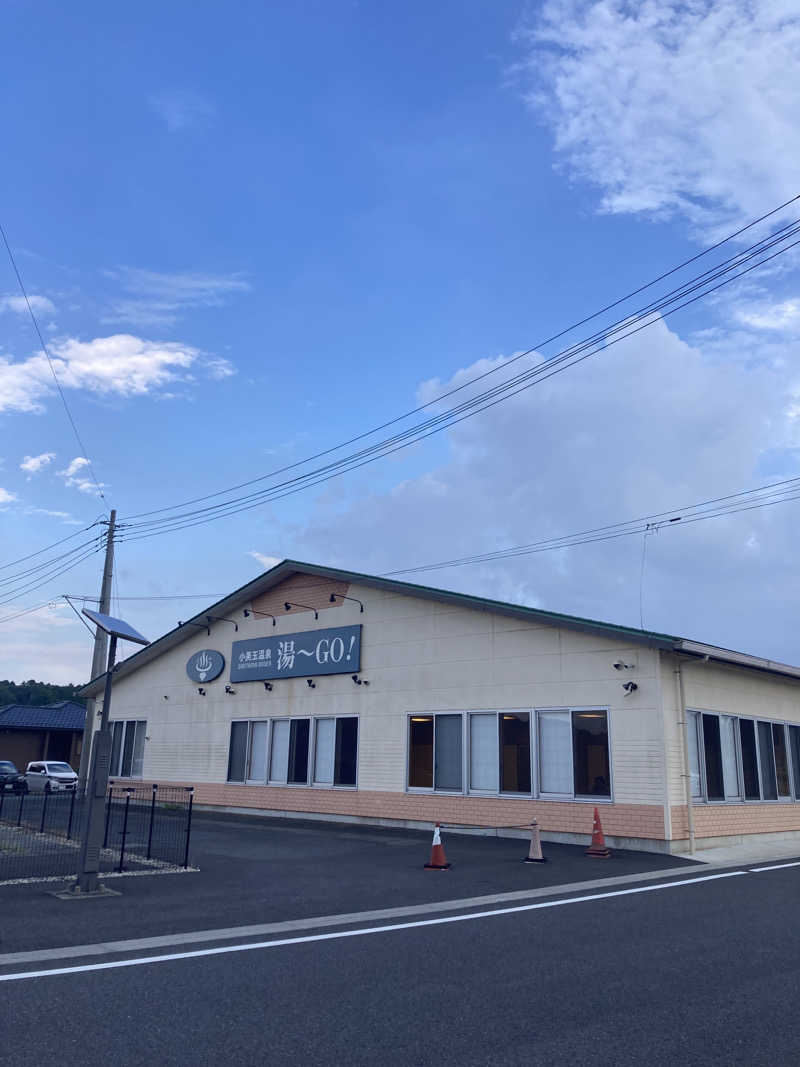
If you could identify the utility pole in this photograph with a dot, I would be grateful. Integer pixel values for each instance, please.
(99, 654)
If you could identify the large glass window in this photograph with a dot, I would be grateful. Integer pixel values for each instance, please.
(745, 758)
(336, 751)
(573, 753)
(279, 752)
(127, 748)
(435, 752)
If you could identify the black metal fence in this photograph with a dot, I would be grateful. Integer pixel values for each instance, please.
(146, 827)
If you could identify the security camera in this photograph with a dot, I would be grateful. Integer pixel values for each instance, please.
(629, 687)
(620, 666)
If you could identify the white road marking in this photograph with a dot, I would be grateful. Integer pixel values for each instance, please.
(775, 867)
(339, 934)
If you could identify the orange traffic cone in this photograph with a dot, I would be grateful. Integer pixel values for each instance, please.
(438, 859)
(598, 848)
(535, 850)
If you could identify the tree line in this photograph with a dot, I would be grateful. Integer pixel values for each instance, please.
(34, 693)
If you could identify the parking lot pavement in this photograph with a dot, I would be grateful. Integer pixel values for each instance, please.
(261, 870)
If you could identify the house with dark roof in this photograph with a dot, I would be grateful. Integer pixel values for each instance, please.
(52, 731)
(318, 692)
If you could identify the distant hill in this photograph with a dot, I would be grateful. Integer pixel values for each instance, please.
(36, 693)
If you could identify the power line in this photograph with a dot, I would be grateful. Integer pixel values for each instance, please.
(734, 503)
(55, 544)
(45, 349)
(472, 381)
(29, 611)
(568, 358)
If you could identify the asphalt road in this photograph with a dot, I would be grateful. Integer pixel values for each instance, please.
(255, 870)
(701, 973)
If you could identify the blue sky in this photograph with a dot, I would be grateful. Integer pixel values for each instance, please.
(253, 232)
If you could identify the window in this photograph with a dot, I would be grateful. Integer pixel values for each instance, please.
(435, 752)
(336, 751)
(769, 787)
(794, 740)
(747, 738)
(289, 756)
(447, 753)
(298, 751)
(692, 726)
(127, 748)
(279, 752)
(420, 752)
(781, 760)
(484, 754)
(743, 759)
(515, 752)
(237, 753)
(573, 753)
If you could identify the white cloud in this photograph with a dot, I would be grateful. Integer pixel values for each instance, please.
(65, 516)
(645, 426)
(40, 304)
(672, 107)
(159, 299)
(6, 497)
(121, 365)
(266, 561)
(182, 109)
(34, 464)
(74, 480)
(75, 465)
(784, 316)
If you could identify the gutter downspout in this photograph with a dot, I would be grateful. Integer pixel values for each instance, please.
(687, 770)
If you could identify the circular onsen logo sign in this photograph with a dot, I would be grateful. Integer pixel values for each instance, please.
(205, 666)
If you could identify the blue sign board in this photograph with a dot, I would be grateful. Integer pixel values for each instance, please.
(333, 651)
(205, 666)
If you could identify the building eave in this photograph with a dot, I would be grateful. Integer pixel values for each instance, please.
(269, 579)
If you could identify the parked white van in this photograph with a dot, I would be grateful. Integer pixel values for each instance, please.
(48, 776)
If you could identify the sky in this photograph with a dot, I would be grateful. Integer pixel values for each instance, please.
(252, 232)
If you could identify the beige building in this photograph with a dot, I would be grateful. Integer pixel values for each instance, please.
(318, 692)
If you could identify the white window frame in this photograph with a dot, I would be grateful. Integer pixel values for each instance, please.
(312, 740)
(126, 725)
(698, 714)
(464, 766)
(467, 743)
(312, 744)
(577, 798)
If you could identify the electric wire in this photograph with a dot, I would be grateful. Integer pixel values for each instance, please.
(477, 378)
(575, 354)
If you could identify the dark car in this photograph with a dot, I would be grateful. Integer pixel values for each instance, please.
(10, 778)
